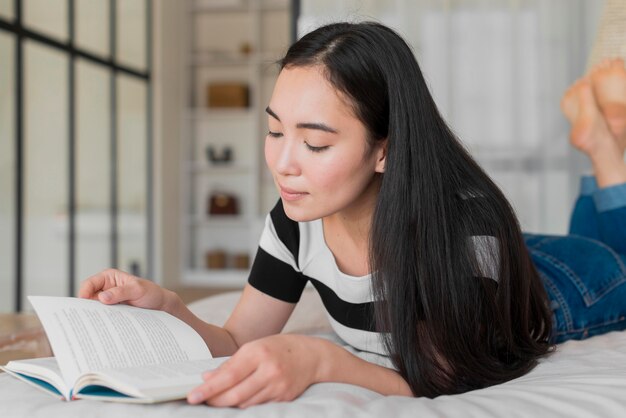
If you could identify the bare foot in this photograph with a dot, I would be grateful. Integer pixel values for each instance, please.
(589, 133)
(609, 87)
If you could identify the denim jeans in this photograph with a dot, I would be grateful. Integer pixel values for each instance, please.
(584, 272)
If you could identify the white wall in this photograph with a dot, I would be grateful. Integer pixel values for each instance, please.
(497, 70)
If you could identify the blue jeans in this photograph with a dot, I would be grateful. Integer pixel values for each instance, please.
(584, 273)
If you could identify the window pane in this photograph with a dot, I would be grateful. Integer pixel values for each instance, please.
(46, 171)
(132, 172)
(92, 26)
(131, 33)
(7, 174)
(93, 164)
(47, 16)
(6, 9)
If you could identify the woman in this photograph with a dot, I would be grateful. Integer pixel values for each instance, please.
(415, 252)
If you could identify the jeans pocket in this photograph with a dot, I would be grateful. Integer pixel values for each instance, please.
(580, 265)
(562, 319)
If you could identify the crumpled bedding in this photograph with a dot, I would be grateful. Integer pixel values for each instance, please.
(581, 379)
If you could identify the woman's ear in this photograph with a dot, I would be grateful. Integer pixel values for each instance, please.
(381, 156)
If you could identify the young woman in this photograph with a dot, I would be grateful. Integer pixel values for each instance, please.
(416, 254)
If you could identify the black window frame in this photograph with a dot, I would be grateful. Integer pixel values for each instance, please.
(21, 34)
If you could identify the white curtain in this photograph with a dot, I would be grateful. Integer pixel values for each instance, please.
(497, 70)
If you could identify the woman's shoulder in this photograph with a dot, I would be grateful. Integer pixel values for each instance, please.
(286, 230)
(292, 234)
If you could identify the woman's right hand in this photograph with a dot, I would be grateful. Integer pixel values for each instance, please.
(115, 286)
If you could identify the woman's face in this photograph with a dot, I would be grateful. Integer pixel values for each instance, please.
(317, 149)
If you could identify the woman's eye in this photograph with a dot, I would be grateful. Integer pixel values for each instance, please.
(316, 149)
(274, 134)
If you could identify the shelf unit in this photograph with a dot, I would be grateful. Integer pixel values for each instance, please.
(229, 41)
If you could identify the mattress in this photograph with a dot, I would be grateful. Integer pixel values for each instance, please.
(581, 379)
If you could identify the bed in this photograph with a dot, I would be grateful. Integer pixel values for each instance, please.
(582, 379)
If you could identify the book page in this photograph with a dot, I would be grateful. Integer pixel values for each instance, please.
(46, 372)
(154, 383)
(86, 336)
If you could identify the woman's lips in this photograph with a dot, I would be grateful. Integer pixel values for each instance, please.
(291, 195)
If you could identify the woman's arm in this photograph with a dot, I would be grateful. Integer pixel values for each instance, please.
(280, 367)
(256, 315)
(339, 365)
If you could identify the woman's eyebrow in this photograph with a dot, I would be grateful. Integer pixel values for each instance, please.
(305, 125)
(316, 125)
(271, 113)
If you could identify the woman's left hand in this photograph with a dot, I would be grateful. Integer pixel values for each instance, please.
(271, 369)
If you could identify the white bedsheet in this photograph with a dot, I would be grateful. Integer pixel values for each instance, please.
(582, 379)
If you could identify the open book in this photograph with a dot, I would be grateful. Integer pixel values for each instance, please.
(114, 353)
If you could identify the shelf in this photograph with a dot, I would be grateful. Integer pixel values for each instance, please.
(221, 59)
(216, 278)
(237, 6)
(222, 221)
(213, 114)
(216, 169)
(221, 32)
(231, 59)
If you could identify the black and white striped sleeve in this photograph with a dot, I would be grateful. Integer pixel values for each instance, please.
(482, 238)
(275, 270)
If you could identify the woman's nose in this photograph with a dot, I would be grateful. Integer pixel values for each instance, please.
(287, 162)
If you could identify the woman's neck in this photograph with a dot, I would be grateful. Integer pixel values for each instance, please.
(356, 220)
(347, 232)
(353, 225)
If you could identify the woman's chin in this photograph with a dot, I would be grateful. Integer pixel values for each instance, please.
(298, 213)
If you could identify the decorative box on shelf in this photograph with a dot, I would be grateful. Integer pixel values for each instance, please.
(221, 259)
(228, 95)
(221, 203)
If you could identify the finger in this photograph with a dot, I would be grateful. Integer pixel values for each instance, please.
(223, 378)
(263, 396)
(240, 393)
(90, 288)
(119, 294)
(112, 286)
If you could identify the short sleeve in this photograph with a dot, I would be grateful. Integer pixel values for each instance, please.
(487, 256)
(482, 240)
(275, 270)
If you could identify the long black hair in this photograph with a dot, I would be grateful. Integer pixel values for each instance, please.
(459, 302)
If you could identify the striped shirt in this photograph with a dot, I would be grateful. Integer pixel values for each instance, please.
(291, 253)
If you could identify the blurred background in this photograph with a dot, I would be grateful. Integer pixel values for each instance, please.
(131, 131)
